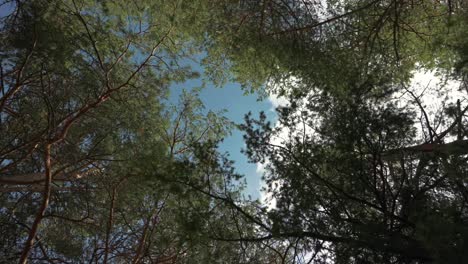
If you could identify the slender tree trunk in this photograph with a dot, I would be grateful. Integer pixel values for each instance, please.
(110, 223)
(40, 214)
(142, 241)
(33, 178)
(457, 147)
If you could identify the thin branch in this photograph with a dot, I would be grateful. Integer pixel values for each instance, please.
(332, 19)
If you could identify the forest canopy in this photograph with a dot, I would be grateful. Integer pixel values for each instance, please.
(365, 163)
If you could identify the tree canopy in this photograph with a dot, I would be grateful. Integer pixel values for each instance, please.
(363, 165)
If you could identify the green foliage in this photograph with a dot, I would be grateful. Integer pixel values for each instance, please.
(137, 178)
(91, 79)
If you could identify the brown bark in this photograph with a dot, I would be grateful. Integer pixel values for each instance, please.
(110, 221)
(457, 147)
(39, 177)
(40, 214)
(142, 241)
(110, 224)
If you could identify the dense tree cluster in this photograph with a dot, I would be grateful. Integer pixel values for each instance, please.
(98, 165)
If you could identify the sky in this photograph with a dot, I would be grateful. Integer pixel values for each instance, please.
(231, 97)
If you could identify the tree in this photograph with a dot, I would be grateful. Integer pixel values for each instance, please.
(89, 147)
(350, 178)
(92, 151)
(351, 172)
(321, 43)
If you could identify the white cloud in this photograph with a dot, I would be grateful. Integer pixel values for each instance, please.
(277, 101)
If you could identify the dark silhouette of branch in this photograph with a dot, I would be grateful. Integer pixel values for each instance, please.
(329, 20)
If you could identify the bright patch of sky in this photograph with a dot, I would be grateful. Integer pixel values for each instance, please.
(231, 97)
(435, 93)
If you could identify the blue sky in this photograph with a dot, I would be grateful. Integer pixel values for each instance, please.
(230, 97)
